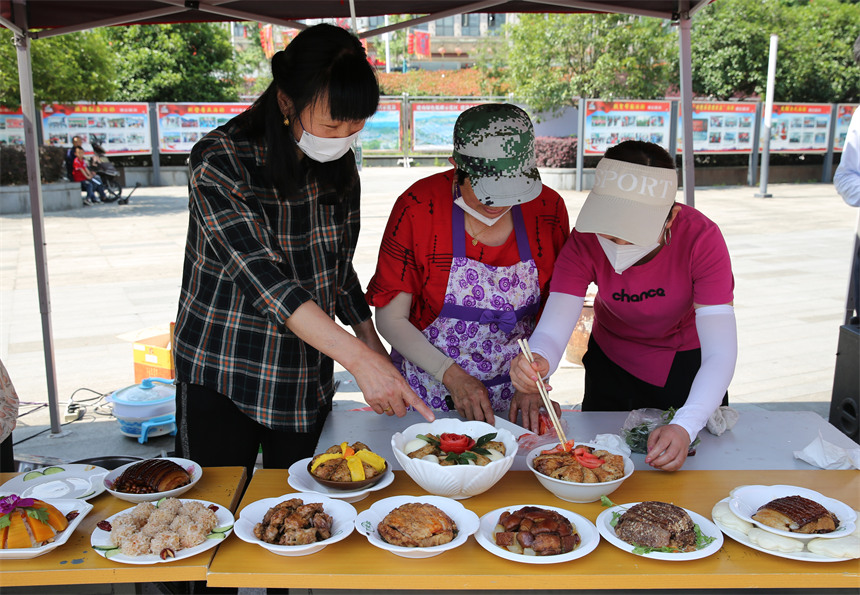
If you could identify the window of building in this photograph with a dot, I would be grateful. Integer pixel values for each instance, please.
(470, 25)
(495, 21)
(445, 27)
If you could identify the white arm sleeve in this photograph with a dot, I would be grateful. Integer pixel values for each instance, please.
(718, 336)
(847, 176)
(392, 321)
(556, 325)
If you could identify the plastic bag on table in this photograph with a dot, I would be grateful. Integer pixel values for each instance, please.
(546, 434)
(641, 422)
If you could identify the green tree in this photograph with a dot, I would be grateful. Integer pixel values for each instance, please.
(253, 68)
(182, 62)
(731, 40)
(555, 59)
(66, 68)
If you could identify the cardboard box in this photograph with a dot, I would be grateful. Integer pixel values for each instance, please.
(153, 357)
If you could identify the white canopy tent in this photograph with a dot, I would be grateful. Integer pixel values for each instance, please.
(35, 19)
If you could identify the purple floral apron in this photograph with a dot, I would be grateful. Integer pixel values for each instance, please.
(486, 311)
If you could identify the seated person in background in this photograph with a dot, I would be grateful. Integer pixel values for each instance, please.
(664, 332)
(90, 183)
(70, 157)
(464, 268)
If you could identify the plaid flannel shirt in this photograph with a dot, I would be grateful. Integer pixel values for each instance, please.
(251, 260)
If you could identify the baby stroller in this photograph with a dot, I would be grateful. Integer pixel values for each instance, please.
(104, 169)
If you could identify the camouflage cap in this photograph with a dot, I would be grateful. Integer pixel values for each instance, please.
(494, 144)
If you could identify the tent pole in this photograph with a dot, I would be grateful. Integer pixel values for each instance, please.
(687, 103)
(31, 148)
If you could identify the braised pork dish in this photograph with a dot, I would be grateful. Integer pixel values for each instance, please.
(798, 515)
(534, 531)
(580, 464)
(152, 476)
(417, 525)
(292, 522)
(657, 525)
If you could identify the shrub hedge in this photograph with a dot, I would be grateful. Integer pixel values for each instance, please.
(552, 151)
(13, 165)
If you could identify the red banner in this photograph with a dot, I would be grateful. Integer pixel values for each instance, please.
(422, 43)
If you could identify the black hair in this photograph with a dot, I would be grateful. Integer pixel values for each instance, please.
(322, 63)
(461, 176)
(641, 152)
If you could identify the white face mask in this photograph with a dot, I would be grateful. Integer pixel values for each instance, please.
(325, 149)
(624, 256)
(461, 202)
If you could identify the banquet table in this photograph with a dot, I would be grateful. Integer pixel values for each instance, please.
(75, 562)
(355, 564)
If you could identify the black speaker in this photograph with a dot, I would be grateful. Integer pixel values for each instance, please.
(845, 402)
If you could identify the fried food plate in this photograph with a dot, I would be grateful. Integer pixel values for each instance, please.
(300, 479)
(367, 521)
(586, 529)
(744, 501)
(342, 514)
(607, 531)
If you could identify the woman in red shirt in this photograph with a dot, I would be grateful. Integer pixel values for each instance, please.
(464, 268)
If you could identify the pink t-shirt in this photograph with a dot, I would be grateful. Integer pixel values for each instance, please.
(645, 315)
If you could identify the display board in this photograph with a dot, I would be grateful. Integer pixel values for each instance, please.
(844, 112)
(608, 123)
(433, 125)
(120, 128)
(180, 125)
(800, 127)
(719, 127)
(11, 126)
(382, 131)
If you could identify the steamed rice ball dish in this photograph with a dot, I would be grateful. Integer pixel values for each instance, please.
(163, 530)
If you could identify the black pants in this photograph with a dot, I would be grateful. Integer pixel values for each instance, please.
(7, 456)
(213, 432)
(609, 387)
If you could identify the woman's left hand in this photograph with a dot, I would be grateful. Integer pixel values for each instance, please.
(529, 405)
(667, 447)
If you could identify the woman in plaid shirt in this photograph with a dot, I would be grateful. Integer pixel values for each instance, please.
(274, 220)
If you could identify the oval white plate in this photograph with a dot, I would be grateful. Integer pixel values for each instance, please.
(64, 506)
(607, 531)
(467, 523)
(299, 479)
(586, 529)
(342, 514)
(74, 480)
(746, 500)
(194, 470)
(101, 539)
(803, 555)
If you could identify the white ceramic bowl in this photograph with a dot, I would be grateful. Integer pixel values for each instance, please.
(194, 470)
(454, 481)
(367, 521)
(579, 492)
(746, 500)
(342, 514)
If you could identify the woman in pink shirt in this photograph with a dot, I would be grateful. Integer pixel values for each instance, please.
(664, 332)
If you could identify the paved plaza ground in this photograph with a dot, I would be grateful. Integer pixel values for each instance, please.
(115, 273)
